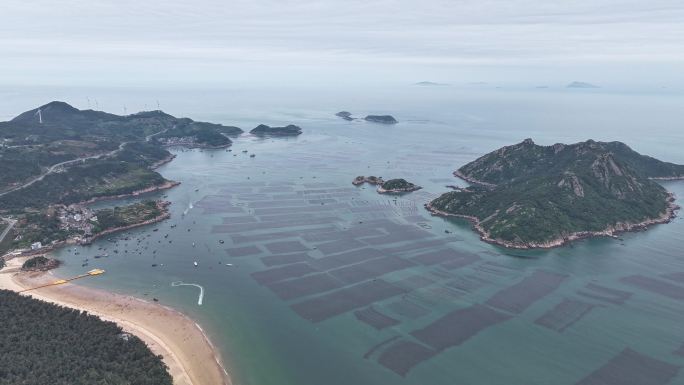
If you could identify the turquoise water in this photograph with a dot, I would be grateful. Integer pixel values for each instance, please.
(435, 305)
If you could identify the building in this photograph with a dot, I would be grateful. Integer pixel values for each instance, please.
(36, 246)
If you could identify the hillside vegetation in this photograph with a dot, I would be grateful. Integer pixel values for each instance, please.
(42, 343)
(528, 195)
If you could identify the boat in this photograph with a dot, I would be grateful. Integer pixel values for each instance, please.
(195, 263)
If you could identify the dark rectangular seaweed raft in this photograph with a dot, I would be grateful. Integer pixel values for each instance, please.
(632, 368)
(655, 286)
(344, 300)
(451, 330)
(520, 296)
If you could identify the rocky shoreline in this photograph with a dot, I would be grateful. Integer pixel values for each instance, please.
(468, 179)
(612, 231)
(397, 190)
(162, 162)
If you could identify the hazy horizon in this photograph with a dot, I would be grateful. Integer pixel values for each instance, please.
(328, 42)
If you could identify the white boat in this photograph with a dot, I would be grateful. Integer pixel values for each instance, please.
(195, 263)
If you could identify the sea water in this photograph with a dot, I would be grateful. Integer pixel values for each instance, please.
(310, 280)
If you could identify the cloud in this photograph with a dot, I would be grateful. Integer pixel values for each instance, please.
(148, 40)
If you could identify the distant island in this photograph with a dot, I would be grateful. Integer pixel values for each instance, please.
(430, 84)
(395, 186)
(531, 196)
(264, 130)
(346, 115)
(581, 85)
(384, 119)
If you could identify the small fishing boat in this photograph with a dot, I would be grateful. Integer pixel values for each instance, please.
(195, 263)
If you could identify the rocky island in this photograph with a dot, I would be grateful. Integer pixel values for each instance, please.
(264, 130)
(346, 115)
(531, 196)
(384, 119)
(374, 180)
(397, 186)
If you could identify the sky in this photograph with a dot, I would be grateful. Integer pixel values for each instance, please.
(333, 42)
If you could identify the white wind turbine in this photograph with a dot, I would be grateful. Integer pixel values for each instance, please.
(40, 116)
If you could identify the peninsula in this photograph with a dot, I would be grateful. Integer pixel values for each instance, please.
(531, 196)
(57, 156)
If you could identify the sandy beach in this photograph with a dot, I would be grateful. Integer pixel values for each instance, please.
(189, 355)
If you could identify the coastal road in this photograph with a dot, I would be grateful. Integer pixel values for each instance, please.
(56, 167)
(10, 225)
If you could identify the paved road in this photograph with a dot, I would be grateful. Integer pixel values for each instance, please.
(9, 227)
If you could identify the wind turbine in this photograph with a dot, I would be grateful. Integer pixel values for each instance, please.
(40, 116)
(125, 110)
(158, 109)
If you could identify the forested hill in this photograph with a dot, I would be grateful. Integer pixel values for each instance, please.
(527, 159)
(42, 343)
(527, 195)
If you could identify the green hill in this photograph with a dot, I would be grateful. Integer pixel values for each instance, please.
(526, 195)
(43, 343)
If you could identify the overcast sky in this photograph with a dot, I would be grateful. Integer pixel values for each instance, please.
(103, 42)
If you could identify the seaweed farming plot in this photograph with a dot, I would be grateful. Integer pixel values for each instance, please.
(467, 283)
(375, 318)
(449, 258)
(285, 259)
(279, 234)
(605, 294)
(243, 251)
(517, 298)
(408, 309)
(282, 273)
(564, 315)
(402, 356)
(348, 258)
(218, 204)
(339, 246)
(679, 351)
(413, 282)
(632, 368)
(243, 227)
(284, 247)
(677, 277)
(370, 269)
(344, 300)
(458, 326)
(655, 286)
(305, 286)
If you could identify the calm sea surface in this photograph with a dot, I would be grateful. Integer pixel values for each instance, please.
(309, 280)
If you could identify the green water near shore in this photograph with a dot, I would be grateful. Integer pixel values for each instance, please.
(303, 186)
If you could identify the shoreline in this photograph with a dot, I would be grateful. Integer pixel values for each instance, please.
(166, 214)
(470, 180)
(611, 231)
(186, 350)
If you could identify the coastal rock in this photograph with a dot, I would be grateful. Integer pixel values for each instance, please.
(374, 180)
(384, 119)
(264, 130)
